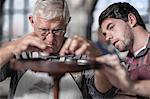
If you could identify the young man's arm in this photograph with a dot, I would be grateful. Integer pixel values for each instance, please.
(141, 87)
(119, 77)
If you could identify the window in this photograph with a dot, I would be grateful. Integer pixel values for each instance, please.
(16, 18)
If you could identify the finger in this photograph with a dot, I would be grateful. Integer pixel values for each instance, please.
(38, 44)
(74, 45)
(65, 49)
(102, 59)
(114, 61)
(81, 50)
(108, 60)
(35, 41)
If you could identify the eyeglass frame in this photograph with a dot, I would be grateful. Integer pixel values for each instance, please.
(44, 32)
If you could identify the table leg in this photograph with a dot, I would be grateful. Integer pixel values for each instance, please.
(56, 87)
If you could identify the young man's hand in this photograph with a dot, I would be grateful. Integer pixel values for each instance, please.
(116, 72)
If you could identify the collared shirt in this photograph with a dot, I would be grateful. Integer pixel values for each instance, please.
(139, 69)
(139, 65)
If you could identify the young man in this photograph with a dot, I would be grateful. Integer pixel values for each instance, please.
(49, 21)
(122, 25)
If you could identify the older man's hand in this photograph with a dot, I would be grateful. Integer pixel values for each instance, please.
(78, 45)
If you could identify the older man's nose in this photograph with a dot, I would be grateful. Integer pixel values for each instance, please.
(49, 38)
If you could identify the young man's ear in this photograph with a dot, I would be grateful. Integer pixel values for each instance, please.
(31, 20)
(132, 21)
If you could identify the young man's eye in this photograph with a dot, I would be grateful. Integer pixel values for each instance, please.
(111, 27)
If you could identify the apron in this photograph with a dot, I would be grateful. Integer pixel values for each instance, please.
(36, 85)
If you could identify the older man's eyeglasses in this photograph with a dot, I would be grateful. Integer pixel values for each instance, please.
(45, 32)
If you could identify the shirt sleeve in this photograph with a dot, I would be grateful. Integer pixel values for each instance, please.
(5, 72)
(90, 92)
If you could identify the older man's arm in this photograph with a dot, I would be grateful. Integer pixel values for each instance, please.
(78, 46)
(6, 53)
(17, 46)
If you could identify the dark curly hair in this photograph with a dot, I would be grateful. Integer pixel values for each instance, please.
(120, 11)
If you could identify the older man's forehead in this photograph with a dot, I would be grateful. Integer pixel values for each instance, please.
(55, 19)
(56, 22)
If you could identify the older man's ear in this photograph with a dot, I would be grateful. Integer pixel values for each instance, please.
(31, 20)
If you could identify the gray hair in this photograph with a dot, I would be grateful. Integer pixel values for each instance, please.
(49, 9)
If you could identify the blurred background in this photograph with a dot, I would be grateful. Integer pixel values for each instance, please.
(14, 20)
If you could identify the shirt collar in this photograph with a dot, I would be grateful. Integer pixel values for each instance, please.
(142, 51)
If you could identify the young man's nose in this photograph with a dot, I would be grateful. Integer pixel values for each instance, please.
(108, 36)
